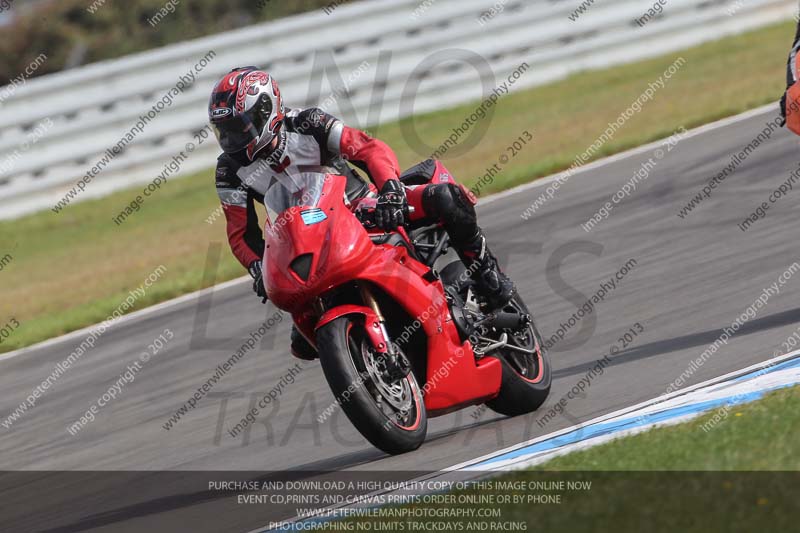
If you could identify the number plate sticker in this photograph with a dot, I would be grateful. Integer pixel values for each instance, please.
(313, 216)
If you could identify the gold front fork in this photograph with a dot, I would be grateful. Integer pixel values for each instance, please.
(370, 300)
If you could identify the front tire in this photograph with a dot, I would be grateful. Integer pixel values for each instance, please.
(389, 415)
(526, 378)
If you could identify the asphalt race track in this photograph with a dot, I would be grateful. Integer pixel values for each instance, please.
(692, 278)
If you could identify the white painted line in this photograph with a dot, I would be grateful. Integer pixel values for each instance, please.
(711, 126)
(730, 394)
(626, 410)
(489, 199)
(483, 473)
(126, 318)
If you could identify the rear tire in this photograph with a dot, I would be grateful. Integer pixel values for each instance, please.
(346, 362)
(526, 378)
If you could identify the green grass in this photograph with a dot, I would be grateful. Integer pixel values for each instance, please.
(741, 475)
(763, 435)
(72, 269)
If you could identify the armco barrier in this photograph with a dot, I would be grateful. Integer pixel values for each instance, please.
(396, 57)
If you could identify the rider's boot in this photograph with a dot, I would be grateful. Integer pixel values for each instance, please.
(301, 348)
(482, 266)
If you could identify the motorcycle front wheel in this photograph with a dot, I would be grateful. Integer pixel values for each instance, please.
(389, 414)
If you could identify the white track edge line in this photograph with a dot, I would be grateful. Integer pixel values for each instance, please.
(127, 318)
(705, 128)
(653, 401)
(487, 473)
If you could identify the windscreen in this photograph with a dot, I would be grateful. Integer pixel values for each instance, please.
(285, 191)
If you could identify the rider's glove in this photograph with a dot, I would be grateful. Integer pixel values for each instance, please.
(258, 280)
(392, 207)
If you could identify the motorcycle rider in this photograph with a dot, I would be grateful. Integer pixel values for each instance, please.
(262, 139)
(792, 94)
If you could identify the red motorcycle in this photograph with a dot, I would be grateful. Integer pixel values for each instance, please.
(400, 331)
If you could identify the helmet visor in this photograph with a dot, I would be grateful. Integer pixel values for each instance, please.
(235, 133)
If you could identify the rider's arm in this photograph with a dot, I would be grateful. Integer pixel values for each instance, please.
(238, 204)
(335, 139)
(370, 155)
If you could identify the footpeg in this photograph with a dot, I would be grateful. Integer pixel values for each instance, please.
(501, 343)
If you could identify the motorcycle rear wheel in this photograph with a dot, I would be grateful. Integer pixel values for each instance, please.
(389, 415)
(526, 378)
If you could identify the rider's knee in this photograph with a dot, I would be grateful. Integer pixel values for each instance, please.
(448, 202)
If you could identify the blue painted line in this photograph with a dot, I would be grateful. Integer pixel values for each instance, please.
(791, 363)
(607, 428)
(600, 429)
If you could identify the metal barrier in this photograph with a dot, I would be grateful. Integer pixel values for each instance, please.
(367, 62)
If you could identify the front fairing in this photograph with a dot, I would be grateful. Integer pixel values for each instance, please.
(313, 248)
